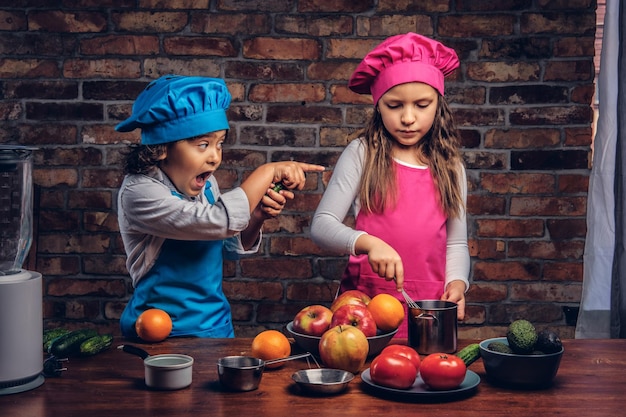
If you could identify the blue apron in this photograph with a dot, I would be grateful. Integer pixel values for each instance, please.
(186, 282)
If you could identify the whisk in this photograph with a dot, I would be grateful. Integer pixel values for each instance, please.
(407, 298)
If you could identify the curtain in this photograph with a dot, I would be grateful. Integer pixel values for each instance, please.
(602, 311)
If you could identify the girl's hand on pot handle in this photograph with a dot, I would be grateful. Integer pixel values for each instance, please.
(383, 259)
(455, 292)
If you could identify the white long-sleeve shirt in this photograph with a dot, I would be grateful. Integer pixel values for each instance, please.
(329, 231)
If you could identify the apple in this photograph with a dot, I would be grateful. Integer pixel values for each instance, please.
(313, 320)
(357, 316)
(344, 347)
(350, 297)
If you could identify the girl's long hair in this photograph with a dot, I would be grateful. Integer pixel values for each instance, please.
(440, 146)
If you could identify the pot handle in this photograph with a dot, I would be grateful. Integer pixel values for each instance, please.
(428, 316)
(134, 350)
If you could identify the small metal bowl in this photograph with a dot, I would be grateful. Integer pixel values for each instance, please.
(322, 381)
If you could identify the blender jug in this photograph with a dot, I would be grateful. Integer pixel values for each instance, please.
(16, 207)
(21, 318)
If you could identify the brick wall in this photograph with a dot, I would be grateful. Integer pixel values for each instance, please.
(70, 70)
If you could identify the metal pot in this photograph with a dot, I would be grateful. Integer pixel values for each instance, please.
(169, 371)
(244, 373)
(433, 327)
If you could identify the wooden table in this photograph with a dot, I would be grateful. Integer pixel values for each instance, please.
(591, 382)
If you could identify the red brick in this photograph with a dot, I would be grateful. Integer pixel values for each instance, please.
(440, 6)
(561, 293)
(557, 23)
(70, 22)
(101, 68)
(522, 138)
(28, 68)
(510, 228)
(13, 21)
(547, 250)
(506, 271)
(156, 22)
(95, 287)
(314, 26)
(204, 46)
(120, 45)
(548, 206)
(343, 6)
(476, 25)
(389, 25)
(248, 23)
(276, 268)
(496, 72)
(279, 48)
(255, 290)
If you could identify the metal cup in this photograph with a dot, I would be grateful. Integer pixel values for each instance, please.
(433, 328)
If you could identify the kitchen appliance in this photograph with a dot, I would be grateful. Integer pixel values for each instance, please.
(21, 319)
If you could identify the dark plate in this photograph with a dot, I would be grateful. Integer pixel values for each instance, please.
(420, 391)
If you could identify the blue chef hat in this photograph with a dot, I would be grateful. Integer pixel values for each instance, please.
(176, 107)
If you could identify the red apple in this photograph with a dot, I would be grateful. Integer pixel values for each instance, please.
(357, 316)
(313, 320)
(344, 347)
(350, 297)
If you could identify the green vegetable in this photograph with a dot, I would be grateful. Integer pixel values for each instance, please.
(95, 344)
(499, 347)
(278, 187)
(469, 354)
(521, 336)
(69, 344)
(51, 334)
(548, 342)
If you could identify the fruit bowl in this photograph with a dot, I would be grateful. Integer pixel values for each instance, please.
(311, 343)
(522, 371)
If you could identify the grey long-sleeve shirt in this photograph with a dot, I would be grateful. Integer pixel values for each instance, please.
(151, 210)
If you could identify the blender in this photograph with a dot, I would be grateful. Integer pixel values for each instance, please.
(21, 318)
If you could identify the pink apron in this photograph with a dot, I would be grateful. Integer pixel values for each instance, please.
(416, 229)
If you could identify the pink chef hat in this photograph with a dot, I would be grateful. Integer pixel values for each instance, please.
(401, 59)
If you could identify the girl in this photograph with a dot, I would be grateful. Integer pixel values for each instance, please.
(174, 221)
(404, 179)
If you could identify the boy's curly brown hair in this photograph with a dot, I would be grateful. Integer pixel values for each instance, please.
(142, 159)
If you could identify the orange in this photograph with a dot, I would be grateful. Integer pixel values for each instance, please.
(387, 310)
(153, 325)
(271, 344)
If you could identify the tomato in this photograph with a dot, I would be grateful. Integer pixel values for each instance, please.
(441, 371)
(393, 371)
(403, 350)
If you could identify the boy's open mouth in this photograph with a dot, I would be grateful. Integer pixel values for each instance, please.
(202, 179)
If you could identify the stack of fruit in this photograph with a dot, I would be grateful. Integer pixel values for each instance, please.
(346, 329)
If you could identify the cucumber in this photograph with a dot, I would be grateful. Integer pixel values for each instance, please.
(51, 334)
(69, 344)
(469, 354)
(96, 344)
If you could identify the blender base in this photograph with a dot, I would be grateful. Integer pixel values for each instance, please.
(22, 386)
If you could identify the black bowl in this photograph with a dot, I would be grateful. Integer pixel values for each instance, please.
(523, 371)
(311, 343)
